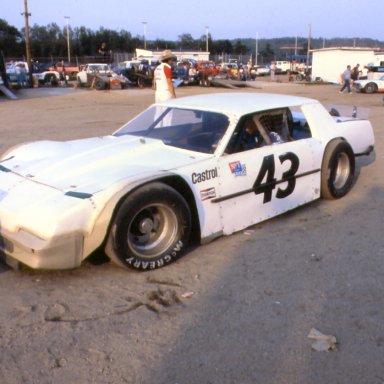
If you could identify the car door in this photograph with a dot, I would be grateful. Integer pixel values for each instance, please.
(380, 84)
(260, 183)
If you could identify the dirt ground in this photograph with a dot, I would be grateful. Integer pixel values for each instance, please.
(235, 311)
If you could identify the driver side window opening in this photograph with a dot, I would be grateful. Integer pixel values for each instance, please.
(267, 128)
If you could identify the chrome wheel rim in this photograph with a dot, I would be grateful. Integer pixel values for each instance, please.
(152, 231)
(342, 171)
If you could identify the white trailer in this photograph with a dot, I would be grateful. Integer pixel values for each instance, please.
(329, 63)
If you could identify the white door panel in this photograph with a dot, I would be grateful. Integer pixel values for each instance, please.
(261, 183)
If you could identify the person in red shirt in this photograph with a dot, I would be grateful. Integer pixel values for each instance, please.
(162, 79)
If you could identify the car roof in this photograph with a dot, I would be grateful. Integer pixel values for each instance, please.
(238, 103)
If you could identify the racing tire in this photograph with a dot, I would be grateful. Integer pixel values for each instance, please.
(151, 228)
(140, 82)
(49, 79)
(370, 88)
(99, 84)
(337, 170)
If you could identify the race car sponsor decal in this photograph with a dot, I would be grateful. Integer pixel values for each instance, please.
(208, 174)
(238, 169)
(208, 193)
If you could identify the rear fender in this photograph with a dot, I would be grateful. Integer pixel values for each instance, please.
(358, 133)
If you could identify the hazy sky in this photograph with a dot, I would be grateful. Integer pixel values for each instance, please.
(226, 19)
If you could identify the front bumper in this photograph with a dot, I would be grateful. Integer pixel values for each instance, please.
(62, 252)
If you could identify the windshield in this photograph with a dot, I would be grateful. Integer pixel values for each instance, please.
(195, 130)
(97, 67)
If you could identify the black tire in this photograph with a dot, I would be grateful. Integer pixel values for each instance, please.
(50, 79)
(47, 79)
(370, 88)
(151, 228)
(99, 84)
(140, 82)
(337, 169)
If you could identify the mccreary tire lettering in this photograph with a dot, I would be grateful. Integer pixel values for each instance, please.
(208, 174)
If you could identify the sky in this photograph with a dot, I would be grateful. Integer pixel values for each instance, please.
(222, 19)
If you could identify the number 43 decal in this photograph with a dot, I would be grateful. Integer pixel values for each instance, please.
(267, 173)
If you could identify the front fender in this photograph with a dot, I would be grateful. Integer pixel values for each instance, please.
(102, 222)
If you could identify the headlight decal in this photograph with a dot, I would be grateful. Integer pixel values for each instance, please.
(4, 169)
(79, 195)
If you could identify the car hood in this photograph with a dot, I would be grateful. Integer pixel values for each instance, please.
(90, 165)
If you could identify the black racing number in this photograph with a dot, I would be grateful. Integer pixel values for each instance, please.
(288, 175)
(267, 173)
(267, 169)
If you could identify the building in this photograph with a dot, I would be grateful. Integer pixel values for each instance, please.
(329, 63)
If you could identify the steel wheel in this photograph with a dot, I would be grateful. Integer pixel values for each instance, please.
(150, 229)
(342, 170)
(370, 88)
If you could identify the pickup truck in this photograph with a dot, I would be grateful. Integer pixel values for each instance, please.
(13, 68)
(70, 69)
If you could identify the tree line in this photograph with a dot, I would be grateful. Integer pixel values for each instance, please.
(50, 41)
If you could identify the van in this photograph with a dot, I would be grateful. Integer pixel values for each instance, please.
(283, 66)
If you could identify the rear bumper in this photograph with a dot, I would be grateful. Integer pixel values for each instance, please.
(62, 252)
(367, 152)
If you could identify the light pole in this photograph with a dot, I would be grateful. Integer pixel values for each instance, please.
(206, 37)
(68, 47)
(27, 42)
(145, 33)
(257, 47)
(309, 44)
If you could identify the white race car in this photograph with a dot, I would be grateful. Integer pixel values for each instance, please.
(101, 77)
(48, 77)
(370, 86)
(195, 167)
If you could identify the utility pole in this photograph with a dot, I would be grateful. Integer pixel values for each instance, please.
(68, 46)
(145, 33)
(309, 44)
(27, 43)
(257, 47)
(206, 38)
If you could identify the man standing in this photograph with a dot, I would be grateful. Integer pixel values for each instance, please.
(346, 76)
(162, 79)
(273, 71)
